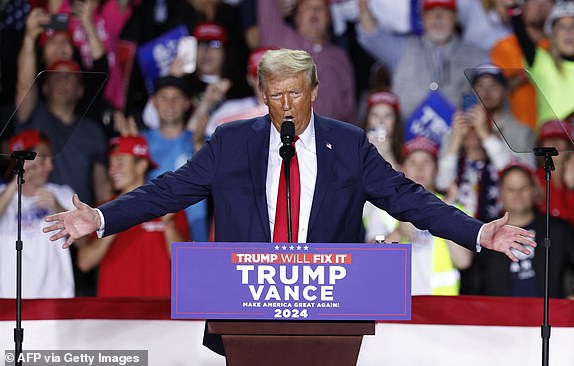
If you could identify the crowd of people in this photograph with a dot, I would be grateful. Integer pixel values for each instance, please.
(75, 90)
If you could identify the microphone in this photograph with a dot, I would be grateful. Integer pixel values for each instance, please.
(287, 151)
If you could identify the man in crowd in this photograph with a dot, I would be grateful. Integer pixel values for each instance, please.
(507, 55)
(43, 45)
(436, 60)
(135, 262)
(525, 278)
(492, 89)
(47, 271)
(79, 144)
(311, 33)
(435, 261)
(171, 144)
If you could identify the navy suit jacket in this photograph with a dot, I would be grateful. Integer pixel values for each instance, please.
(232, 166)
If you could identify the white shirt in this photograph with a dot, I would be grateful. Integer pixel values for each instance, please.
(307, 157)
(46, 268)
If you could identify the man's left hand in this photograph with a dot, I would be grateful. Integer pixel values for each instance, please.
(498, 236)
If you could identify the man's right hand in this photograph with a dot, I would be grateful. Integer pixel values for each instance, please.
(73, 225)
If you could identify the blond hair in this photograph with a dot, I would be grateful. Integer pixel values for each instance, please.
(286, 63)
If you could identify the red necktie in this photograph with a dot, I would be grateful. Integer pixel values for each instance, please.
(280, 230)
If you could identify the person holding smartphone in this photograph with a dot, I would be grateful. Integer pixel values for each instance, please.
(474, 152)
(475, 149)
(49, 37)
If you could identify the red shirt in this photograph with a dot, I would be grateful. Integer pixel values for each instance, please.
(561, 199)
(138, 263)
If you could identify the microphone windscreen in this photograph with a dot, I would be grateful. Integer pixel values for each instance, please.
(287, 130)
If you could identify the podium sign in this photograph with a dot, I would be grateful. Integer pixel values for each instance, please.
(270, 281)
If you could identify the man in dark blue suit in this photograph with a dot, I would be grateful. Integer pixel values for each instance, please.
(240, 168)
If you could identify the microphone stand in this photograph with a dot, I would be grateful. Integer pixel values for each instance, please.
(547, 153)
(19, 157)
(287, 151)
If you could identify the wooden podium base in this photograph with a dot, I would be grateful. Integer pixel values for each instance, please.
(281, 343)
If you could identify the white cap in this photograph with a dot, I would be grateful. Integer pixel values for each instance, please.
(560, 10)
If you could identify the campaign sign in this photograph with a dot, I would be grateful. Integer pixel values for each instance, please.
(272, 281)
(156, 56)
(431, 119)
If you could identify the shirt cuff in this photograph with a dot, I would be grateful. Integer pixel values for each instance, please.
(478, 247)
(102, 228)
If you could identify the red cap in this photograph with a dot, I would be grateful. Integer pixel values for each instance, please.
(448, 4)
(209, 31)
(72, 65)
(384, 98)
(555, 128)
(515, 164)
(132, 145)
(27, 140)
(421, 143)
(254, 58)
(299, 2)
(49, 33)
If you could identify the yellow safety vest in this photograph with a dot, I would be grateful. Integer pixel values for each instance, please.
(445, 278)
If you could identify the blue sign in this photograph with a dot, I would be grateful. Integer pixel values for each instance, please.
(431, 119)
(271, 281)
(416, 16)
(156, 56)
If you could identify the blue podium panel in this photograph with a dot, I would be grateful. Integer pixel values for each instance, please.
(274, 281)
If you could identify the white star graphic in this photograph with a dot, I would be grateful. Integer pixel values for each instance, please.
(493, 210)
(298, 247)
(291, 247)
(492, 192)
(306, 247)
(284, 247)
(277, 247)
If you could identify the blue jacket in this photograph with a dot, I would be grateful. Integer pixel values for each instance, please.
(232, 167)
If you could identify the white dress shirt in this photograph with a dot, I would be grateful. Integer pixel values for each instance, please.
(307, 157)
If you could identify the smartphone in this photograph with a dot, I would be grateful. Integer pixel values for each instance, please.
(58, 22)
(468, 101)
(187, 52)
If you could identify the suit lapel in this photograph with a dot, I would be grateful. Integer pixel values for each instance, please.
(324, 147)
(258, 150)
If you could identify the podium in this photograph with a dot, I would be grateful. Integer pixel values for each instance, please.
(290, 304)
(282, 343)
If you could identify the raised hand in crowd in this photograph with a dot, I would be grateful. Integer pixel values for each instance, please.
(37, 20)
(460, 127)
(125, 126)
(48, 200)
(214, 94)
(84, 11)
(477, 118)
